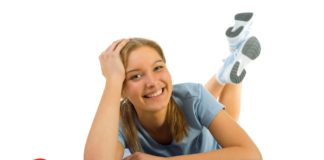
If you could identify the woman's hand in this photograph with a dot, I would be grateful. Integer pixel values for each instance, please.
(143, 156)
(111, 64)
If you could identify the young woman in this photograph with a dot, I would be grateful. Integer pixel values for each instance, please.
(158, 120)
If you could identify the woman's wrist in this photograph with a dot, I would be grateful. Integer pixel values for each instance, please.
(115, 80)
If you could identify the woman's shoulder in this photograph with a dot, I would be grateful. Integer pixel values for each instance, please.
(187, 90)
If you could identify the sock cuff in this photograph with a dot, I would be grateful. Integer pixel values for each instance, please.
(217, 77)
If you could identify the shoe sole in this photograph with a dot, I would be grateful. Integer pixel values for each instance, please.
(251, 49)
(244, 18)
(234, 77)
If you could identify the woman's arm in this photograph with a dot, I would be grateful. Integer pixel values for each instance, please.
(236, 144)
(104, 129)
(102, 142)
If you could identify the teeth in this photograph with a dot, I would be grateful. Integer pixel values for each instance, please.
(155, 94)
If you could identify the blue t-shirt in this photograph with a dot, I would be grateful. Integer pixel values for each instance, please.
(199, 108)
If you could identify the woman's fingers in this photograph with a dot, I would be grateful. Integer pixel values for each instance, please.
(115, 47)
(111, 64)
(112, 47)
(121, 45)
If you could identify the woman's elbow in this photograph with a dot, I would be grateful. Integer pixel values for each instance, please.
(255, 154)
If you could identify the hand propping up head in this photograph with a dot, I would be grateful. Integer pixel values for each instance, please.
(111, 64)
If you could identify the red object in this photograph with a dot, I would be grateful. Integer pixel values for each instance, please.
(40, 159)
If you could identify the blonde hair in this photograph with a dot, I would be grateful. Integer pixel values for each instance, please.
(175, 118)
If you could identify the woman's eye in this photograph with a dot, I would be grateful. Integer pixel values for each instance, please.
(158, 68)
(135, 77)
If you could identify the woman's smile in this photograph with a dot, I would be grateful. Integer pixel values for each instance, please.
(155, 94)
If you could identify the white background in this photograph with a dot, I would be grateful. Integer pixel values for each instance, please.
(51, 82)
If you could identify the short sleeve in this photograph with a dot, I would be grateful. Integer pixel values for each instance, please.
(121, 137)
(122, 141)
(207, 106)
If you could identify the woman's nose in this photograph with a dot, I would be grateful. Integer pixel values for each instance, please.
(150, 80)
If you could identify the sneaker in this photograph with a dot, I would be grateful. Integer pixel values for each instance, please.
(238, 33)
(233, 70)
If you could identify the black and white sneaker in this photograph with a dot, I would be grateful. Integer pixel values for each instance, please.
(240, 32)
(233, 70)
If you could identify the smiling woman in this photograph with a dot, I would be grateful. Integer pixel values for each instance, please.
(156, 119)
(148, 88)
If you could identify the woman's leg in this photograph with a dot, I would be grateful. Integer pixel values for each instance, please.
(229, 95)
(214, 87)
(231, 99)
(226, 85)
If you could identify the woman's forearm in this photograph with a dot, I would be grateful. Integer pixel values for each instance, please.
(104, 129)
(231, 153)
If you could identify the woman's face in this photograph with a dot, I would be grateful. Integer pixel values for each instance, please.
(148, 82)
